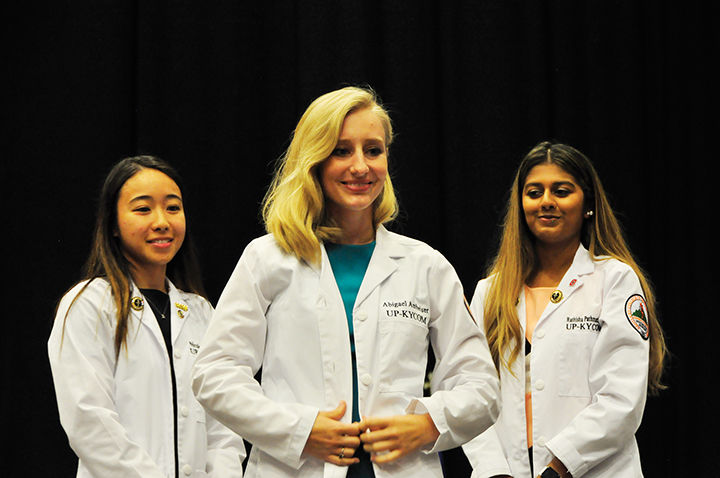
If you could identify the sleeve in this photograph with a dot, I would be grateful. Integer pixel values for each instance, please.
(484, 452)
(82, 359)
(618, 377)
(225, 448)
(464, 384)
(231, 355)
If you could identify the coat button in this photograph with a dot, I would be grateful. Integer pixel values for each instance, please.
(184, 411)
(361, 315)
(541, 441)
(187, 469)
(539, 385)
(540, 334)
(366, 379)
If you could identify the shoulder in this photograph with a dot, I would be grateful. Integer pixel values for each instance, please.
(482, 287)
(407, 246)
(93, 292)
(195, 300)
(265, 249)
(612, 269)
(86, 302)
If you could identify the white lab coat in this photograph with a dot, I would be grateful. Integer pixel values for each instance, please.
(287, 317)
(588, 369)
(118, 413)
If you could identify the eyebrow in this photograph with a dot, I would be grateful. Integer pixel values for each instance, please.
(147, 197)
(556, 183)
(374, 139)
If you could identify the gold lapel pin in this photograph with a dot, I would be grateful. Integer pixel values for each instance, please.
(181, 309)
(556, 296)
(137, 303)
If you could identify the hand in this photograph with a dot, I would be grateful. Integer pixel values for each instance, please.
(560, 467)
(397, 435)
(332, 440)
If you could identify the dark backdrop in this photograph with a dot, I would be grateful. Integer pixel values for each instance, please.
(217, 87)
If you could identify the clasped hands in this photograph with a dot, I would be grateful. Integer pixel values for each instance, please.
(385, 438)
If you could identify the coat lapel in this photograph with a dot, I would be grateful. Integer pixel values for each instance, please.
(382, 263)
(179, 311)
(145, 317)
(571, 281)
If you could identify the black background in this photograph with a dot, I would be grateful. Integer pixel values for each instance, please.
(216, 88)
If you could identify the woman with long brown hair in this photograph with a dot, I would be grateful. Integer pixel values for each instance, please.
(571, 323)
(125, 338)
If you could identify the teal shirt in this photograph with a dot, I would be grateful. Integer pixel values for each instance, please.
(349, 263)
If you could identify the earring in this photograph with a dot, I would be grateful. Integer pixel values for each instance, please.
(588, 213)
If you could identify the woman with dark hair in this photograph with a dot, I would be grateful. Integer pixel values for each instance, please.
(125, 339)
(340, 313)
(571, 324)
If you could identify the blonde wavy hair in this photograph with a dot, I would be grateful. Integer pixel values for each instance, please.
(294, 209)
(515, 260)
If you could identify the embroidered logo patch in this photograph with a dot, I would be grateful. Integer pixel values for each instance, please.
(636, 313)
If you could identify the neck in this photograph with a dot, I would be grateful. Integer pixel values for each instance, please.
(150, 278)
(552, 262)
(356, 228)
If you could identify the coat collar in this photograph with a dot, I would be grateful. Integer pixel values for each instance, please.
(179, 312)
(581, 266)
(382, 262)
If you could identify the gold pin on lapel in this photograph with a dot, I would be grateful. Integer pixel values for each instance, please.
(137, 303)
(556, 296)
(181, 309)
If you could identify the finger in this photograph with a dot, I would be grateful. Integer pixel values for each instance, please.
(374, 423)
(377, 435)
(344, 461)
(388, 457)
(346, 452)
(349, 442)
(379, 446)
(337, 413)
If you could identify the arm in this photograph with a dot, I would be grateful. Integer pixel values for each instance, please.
(618, 382)
(225, 449)
(485, 452)
(231, 355)
(82, 360)
(465, 385)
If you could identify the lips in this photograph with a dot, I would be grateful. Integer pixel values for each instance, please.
(357, 186)
(547, 219)
(161, 242)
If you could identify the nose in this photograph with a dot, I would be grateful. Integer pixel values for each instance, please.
(160, 222)
(547, 201)
(358, 166)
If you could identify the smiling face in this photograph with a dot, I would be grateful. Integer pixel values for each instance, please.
(553, 204)
(150, 223)
(353, 176)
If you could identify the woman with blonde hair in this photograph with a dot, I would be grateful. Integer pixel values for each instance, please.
(571, 324)
(338, 313)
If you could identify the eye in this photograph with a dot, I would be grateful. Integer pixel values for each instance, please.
(533, 193)
(374, 151)
(174, 208)
(142, 209)
(341, 151)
